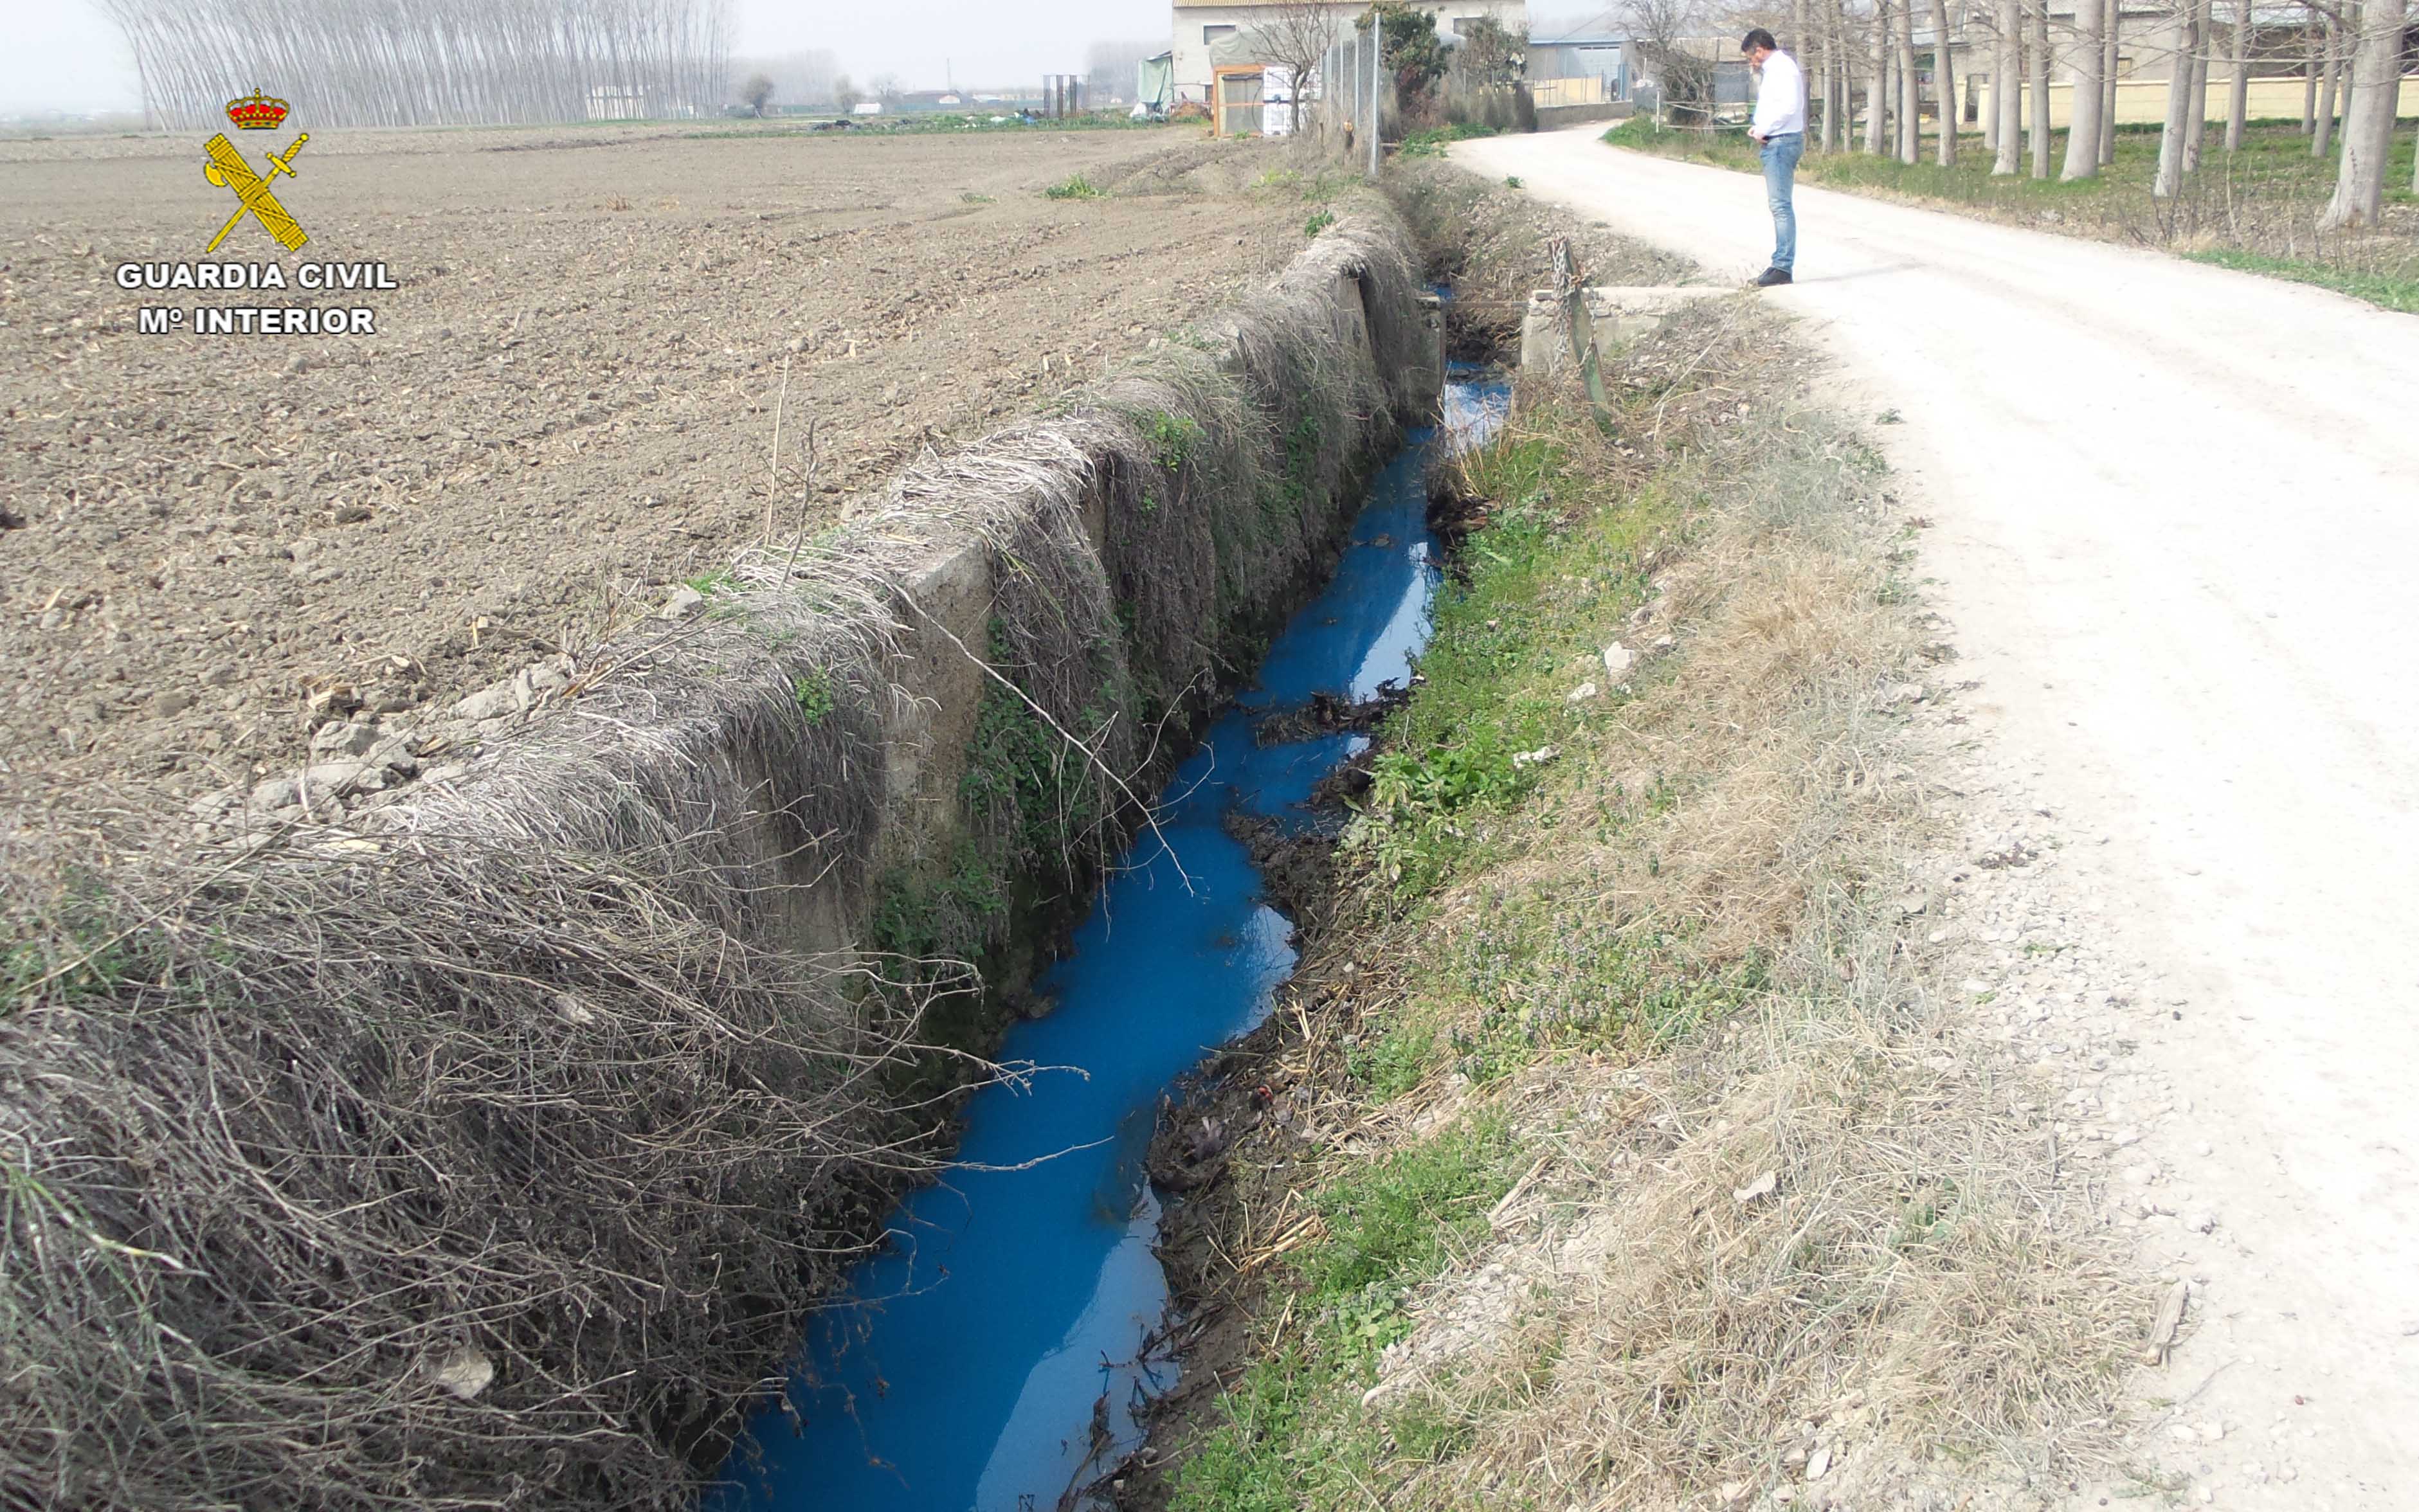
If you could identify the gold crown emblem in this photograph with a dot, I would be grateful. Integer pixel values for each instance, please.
(257, 112)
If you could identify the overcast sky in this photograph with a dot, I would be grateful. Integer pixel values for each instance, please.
(62, 55)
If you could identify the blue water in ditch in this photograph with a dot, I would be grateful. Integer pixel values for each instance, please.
(993, 1356)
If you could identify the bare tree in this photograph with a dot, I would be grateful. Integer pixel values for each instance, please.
(1683, 81)
(2006, 100)
(2238, 95)
(1295, 34)
(2310, 64)
(1877, 99)
(443, 63)
(1910, 115)
(2110, 57)
(2323, 137)
(884, 87)
(2083, 115)
(1944, 73)
(801, 78)
(2039, 82)
(1838, 80)
(2169, 178)
(757, 92)
(2368, 119)
(2197, 118)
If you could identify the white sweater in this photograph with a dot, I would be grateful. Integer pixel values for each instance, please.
(1780, 103)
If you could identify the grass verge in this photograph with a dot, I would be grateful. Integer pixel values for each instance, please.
(2254, 210)
(1621, 1152)
(2388, 292)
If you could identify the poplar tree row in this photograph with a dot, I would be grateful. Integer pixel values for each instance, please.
(430, 62)
(2352, 51)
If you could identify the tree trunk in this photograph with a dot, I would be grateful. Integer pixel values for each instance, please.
(1809, 69)
(1997, 87)
(1828, 77)
(2368, 121)
(2009, 103)
(1910, 91)
(2323, 137)
(2310, 74)
(2083, 117)
(2238, 97)
(2108, 61)
(2353, 12)
(2041, 88)
(1943, 75)
(2170, 176)
(1842, 129)
(2196, 124)
(1877, 86)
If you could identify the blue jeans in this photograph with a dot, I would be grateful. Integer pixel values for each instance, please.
(1781, 155)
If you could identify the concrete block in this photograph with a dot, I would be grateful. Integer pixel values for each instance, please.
(1621, 316)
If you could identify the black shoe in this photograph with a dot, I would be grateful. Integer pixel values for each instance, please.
(1770, 278)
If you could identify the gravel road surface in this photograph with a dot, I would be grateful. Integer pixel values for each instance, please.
(2177, 514)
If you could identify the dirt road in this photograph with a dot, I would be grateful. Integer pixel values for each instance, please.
(2177, 511)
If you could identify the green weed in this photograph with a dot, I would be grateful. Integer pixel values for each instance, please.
(1076, 188)
(1544, 588)
(1319, 220)
(1432, 142)
(812, 692)
(1294, 1435)
(1171, 439)
(942, 917)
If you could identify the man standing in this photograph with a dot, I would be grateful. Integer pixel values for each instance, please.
(1780, 126)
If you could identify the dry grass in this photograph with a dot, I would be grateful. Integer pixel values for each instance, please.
(1765, 1196)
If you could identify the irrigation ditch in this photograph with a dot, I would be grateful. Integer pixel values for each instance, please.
(501, 1145)
(495, 1146)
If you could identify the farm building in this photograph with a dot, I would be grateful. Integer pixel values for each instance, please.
(1215, 36)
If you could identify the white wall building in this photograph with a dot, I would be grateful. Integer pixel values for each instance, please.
(1202, 24)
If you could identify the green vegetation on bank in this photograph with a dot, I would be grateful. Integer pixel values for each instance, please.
(1432, 141)
(1292, 1441)
(2253, 209)
(1608, 957)
(1478, 775)
(2400, 294)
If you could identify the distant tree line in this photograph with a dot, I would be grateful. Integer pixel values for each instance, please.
(431, 62)
(800, 80)
(1110, 68)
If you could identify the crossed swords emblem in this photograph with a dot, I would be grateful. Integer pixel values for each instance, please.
(228, 169)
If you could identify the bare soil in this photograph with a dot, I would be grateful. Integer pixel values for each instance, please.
(569, 406)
